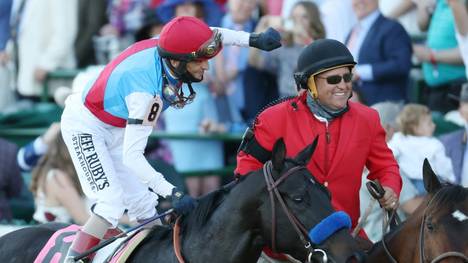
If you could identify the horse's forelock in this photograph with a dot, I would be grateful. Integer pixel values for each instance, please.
(448, 194)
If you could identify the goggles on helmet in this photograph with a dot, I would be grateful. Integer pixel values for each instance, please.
(207, 50)
(210, 48)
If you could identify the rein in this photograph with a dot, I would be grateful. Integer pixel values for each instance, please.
(385, 225)
(422, 257)
(176, 241)
(273, 191)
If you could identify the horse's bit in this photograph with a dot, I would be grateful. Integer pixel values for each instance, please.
(422, 257)
(297, 225)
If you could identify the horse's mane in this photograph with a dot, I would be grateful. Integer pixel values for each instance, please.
(448, 194)
(197, 218)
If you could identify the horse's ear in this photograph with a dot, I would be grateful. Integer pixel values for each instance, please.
(278, 154)
(304, 156)
(431, 182)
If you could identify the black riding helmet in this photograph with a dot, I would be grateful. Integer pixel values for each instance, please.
(321, 55)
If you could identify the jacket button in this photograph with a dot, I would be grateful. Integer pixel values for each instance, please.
(325, 184)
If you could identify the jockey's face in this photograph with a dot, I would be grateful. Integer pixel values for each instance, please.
(333, 96)
(197, 68)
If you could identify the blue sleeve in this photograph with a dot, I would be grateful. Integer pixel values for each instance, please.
(5, 13)
(29, 155)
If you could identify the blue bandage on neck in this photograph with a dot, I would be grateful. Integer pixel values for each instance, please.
(328, 226)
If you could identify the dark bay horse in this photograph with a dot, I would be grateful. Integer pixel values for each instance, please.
(436, 232)
(233, 223)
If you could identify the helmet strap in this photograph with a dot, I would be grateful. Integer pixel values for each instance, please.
(312, 87)
(177, 98)
(192, 92)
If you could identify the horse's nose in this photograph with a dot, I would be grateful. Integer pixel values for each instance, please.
(357, 257)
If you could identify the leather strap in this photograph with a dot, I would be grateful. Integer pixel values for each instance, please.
(176, 241)
(250, 145)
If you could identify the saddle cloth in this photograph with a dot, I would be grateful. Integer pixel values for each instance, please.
(57, 246)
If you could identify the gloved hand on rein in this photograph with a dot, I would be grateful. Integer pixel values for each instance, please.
(181, 202)
(268, 40)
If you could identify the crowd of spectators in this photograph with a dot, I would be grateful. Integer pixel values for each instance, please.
(402, 48)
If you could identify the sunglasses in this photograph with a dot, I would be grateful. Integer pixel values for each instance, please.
(336, 79)
(210, 48)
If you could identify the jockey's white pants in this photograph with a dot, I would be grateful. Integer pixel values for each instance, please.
(96, 150)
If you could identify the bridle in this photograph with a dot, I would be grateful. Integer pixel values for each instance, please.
(421, 240)
(422, 257)
(297, 225)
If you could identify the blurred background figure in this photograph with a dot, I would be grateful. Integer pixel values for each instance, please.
(303, 26)
(382, 49)
(455, 142)
(415, 142)
(5, 14)
(338, 18)
(442, 63)
(91, 18)
(151, 26)
(125, 18)
(29, 155)
(460, 14)
(6, 67)
(358, 97)
(11, 181)
(207, 10)
(409, 200)
(56, 188)
(404, 11)
(227, 74)
(46, 33)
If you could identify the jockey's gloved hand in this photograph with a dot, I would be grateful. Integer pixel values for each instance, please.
(181, 202)
(268, 40)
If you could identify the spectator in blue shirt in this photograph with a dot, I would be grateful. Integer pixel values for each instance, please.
(5, 12)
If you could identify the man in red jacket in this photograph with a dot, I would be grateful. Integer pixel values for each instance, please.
(350, 134)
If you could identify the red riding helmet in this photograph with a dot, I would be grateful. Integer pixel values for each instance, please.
(187, 38)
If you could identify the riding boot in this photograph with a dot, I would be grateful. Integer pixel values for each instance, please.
(83, 242)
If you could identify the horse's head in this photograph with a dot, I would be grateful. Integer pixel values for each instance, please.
(299, 204)
(443, 220)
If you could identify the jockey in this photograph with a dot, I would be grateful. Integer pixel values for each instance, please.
(107, 126)
(350, 134)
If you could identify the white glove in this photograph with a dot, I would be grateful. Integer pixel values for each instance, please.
(160, 185)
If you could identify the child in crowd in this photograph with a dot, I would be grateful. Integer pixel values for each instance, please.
(415, 142)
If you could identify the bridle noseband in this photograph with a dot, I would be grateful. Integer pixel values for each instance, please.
(297, 225)
(422, 257)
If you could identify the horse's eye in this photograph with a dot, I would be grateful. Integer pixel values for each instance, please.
(297, 198)
(430, 226)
